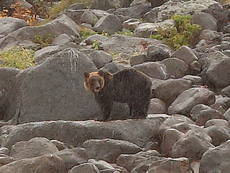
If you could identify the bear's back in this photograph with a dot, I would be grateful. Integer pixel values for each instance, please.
(130, 84)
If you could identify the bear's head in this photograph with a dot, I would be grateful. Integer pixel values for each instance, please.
(94, 81)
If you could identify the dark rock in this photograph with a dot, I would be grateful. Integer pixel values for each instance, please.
(9, 88)
(77, 132)
(100, 58)
(192, 145)
(170, 89)
(218, 134)
(157, 106)
(32, 148)
(176, 68)
(153, 69)
(208, 114)
(136, 11)
(111, 149)
(155, 53)
(205, 20)
(216, 159)
(109, 24)
(44, 95)
(190, 98)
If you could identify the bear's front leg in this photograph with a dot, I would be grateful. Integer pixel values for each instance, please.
(106, 110)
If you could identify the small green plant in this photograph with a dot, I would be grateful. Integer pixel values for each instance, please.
(17, 57)
(128, 33)
(85, 33)
(104, 33)
(43, 41)
(183, 33)
(96, 44)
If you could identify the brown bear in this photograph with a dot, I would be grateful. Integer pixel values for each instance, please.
(127, 86)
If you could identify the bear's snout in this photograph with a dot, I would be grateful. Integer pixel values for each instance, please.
(97, 87)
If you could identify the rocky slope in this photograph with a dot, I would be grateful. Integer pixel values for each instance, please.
(49, 120)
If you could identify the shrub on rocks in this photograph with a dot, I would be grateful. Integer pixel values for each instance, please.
(183, 33)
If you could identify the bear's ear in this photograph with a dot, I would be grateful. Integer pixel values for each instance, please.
(105, 74)
(86, 75)
(101, 73)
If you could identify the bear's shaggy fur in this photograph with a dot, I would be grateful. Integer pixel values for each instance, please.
(127, 86)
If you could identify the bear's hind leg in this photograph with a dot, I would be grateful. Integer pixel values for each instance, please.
(139, 111)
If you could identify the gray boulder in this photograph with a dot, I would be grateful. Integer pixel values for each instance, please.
(9, 87)
(227, 114)
(153, 69)
(44, 96)
(147, 29)
(157, 106)
(95, 38)
(77, 132)
(61, 25)
(137, 59)
(218, 134)
(188, 7)
(32, 148)
(184, 127)
(170, 89)
(46, 52)
(171, 165)
(109, 149)
(195, 111)
(155, 53)
(190, 98)
(10, 24)
(127, 44)
(170, 137)
(186, 54)
(100, 58)
(210, 36)
(176, 68)
(172, 120)
(208, 114)
(136, 11)
(62, 39)
(218, 70)
(46, 163)
(196, 80)
(4, 160)
(89, 17)
(85, 167)
(112, 67)
(216, 159)
(4, 150)
(192, 146)
(205, 20)
(216, 122)
(73, 14)
(108, 4)
(72, 157)
(109, 24)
